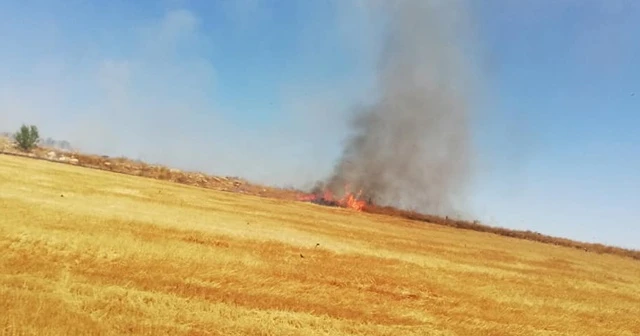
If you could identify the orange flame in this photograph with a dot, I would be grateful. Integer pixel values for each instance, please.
(349, 200)
(353, 203)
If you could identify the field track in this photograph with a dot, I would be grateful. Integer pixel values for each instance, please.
(89, 252)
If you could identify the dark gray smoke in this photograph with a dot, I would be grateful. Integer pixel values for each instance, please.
(412, 147)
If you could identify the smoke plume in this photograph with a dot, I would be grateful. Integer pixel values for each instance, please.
(411, 148)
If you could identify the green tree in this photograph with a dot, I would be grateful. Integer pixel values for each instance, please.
(27, 137)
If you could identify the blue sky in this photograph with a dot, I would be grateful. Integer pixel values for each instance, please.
(262, 89)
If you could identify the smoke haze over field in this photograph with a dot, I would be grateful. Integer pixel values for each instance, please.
(193, 87)
(177, 89)
(412, 147)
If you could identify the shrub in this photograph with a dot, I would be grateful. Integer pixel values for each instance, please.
(27, 137)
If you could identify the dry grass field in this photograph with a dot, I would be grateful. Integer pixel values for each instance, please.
(87, 252)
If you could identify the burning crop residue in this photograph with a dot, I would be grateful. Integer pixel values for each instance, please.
(410, 147)
(348, 200)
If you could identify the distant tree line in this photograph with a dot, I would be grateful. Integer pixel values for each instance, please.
(28, 137)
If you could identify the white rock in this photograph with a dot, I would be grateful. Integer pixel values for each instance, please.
(73, 161)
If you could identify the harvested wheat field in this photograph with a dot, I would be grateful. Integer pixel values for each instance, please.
(87, 252)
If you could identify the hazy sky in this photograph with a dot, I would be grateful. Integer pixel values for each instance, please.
(261, 89)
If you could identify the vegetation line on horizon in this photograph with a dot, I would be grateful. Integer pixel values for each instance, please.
(29, 135)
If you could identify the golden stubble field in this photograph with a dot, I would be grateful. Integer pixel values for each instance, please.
(85, 252)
